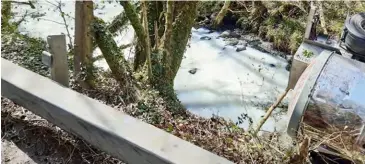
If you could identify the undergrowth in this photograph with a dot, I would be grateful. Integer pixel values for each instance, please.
(283, 23)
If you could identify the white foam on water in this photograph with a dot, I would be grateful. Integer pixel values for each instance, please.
(228, 83)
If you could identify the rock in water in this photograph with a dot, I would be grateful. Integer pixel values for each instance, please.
(242, 42)
(232, 42)
(225, 34)
(234, 35)
(205, 38)
(193, 71)
(255, 42)
(240, 48)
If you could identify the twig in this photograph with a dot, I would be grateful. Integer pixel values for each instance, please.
(51, 3)
(244, 5)
(236, 11)
(22, 19)
(71, 154)
(59, 8)
(24, 3)
(51, 21)
(268, 113)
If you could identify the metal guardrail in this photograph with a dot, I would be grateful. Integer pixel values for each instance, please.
(116, 133)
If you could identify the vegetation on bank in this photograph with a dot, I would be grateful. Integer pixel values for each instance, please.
(282, 22)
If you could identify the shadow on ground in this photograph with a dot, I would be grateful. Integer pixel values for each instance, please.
(41, 141)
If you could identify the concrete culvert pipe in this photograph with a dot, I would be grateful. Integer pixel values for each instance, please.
(329, 101)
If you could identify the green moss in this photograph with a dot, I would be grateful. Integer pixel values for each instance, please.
(114, 57)
(6, 14)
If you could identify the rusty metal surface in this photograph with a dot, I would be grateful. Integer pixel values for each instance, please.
(303, 88)
(337, 101)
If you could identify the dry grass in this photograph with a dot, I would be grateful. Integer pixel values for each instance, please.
(339, 141)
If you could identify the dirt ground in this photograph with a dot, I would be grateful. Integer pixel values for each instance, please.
(28, 139)
(11, 153)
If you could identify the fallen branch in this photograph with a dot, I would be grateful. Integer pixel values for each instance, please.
(268, 113)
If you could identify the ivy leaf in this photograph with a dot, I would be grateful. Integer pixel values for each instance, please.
(170, 128)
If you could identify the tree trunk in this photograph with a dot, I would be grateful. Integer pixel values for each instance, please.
(181, 31)
(148, 44)
(222, 13)
(140, 58)
(118, 23)
(155, 16)
(5, 13)
(322, 18)
(83, 43)
(166, 42)
(117, 63)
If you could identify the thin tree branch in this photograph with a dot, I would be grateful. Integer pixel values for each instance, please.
(268, 113)
(59, 8)
(25, 3)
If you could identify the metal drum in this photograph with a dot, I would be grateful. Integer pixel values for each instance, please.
(329, 102)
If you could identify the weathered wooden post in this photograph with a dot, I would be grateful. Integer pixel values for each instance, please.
(56, 59)
(83, 42)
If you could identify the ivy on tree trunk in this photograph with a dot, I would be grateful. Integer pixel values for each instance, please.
(181, 30)
(140, 58)
(115, 59)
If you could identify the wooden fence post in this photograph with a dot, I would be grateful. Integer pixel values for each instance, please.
(83, 40)
(58, 59)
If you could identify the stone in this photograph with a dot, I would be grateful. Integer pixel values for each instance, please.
(205, 38)
(242, 42)
(255, 42)
(240, 48)
(225, 34)
(232, 42)
(272, 65)
(234, 35)
(193, 71)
